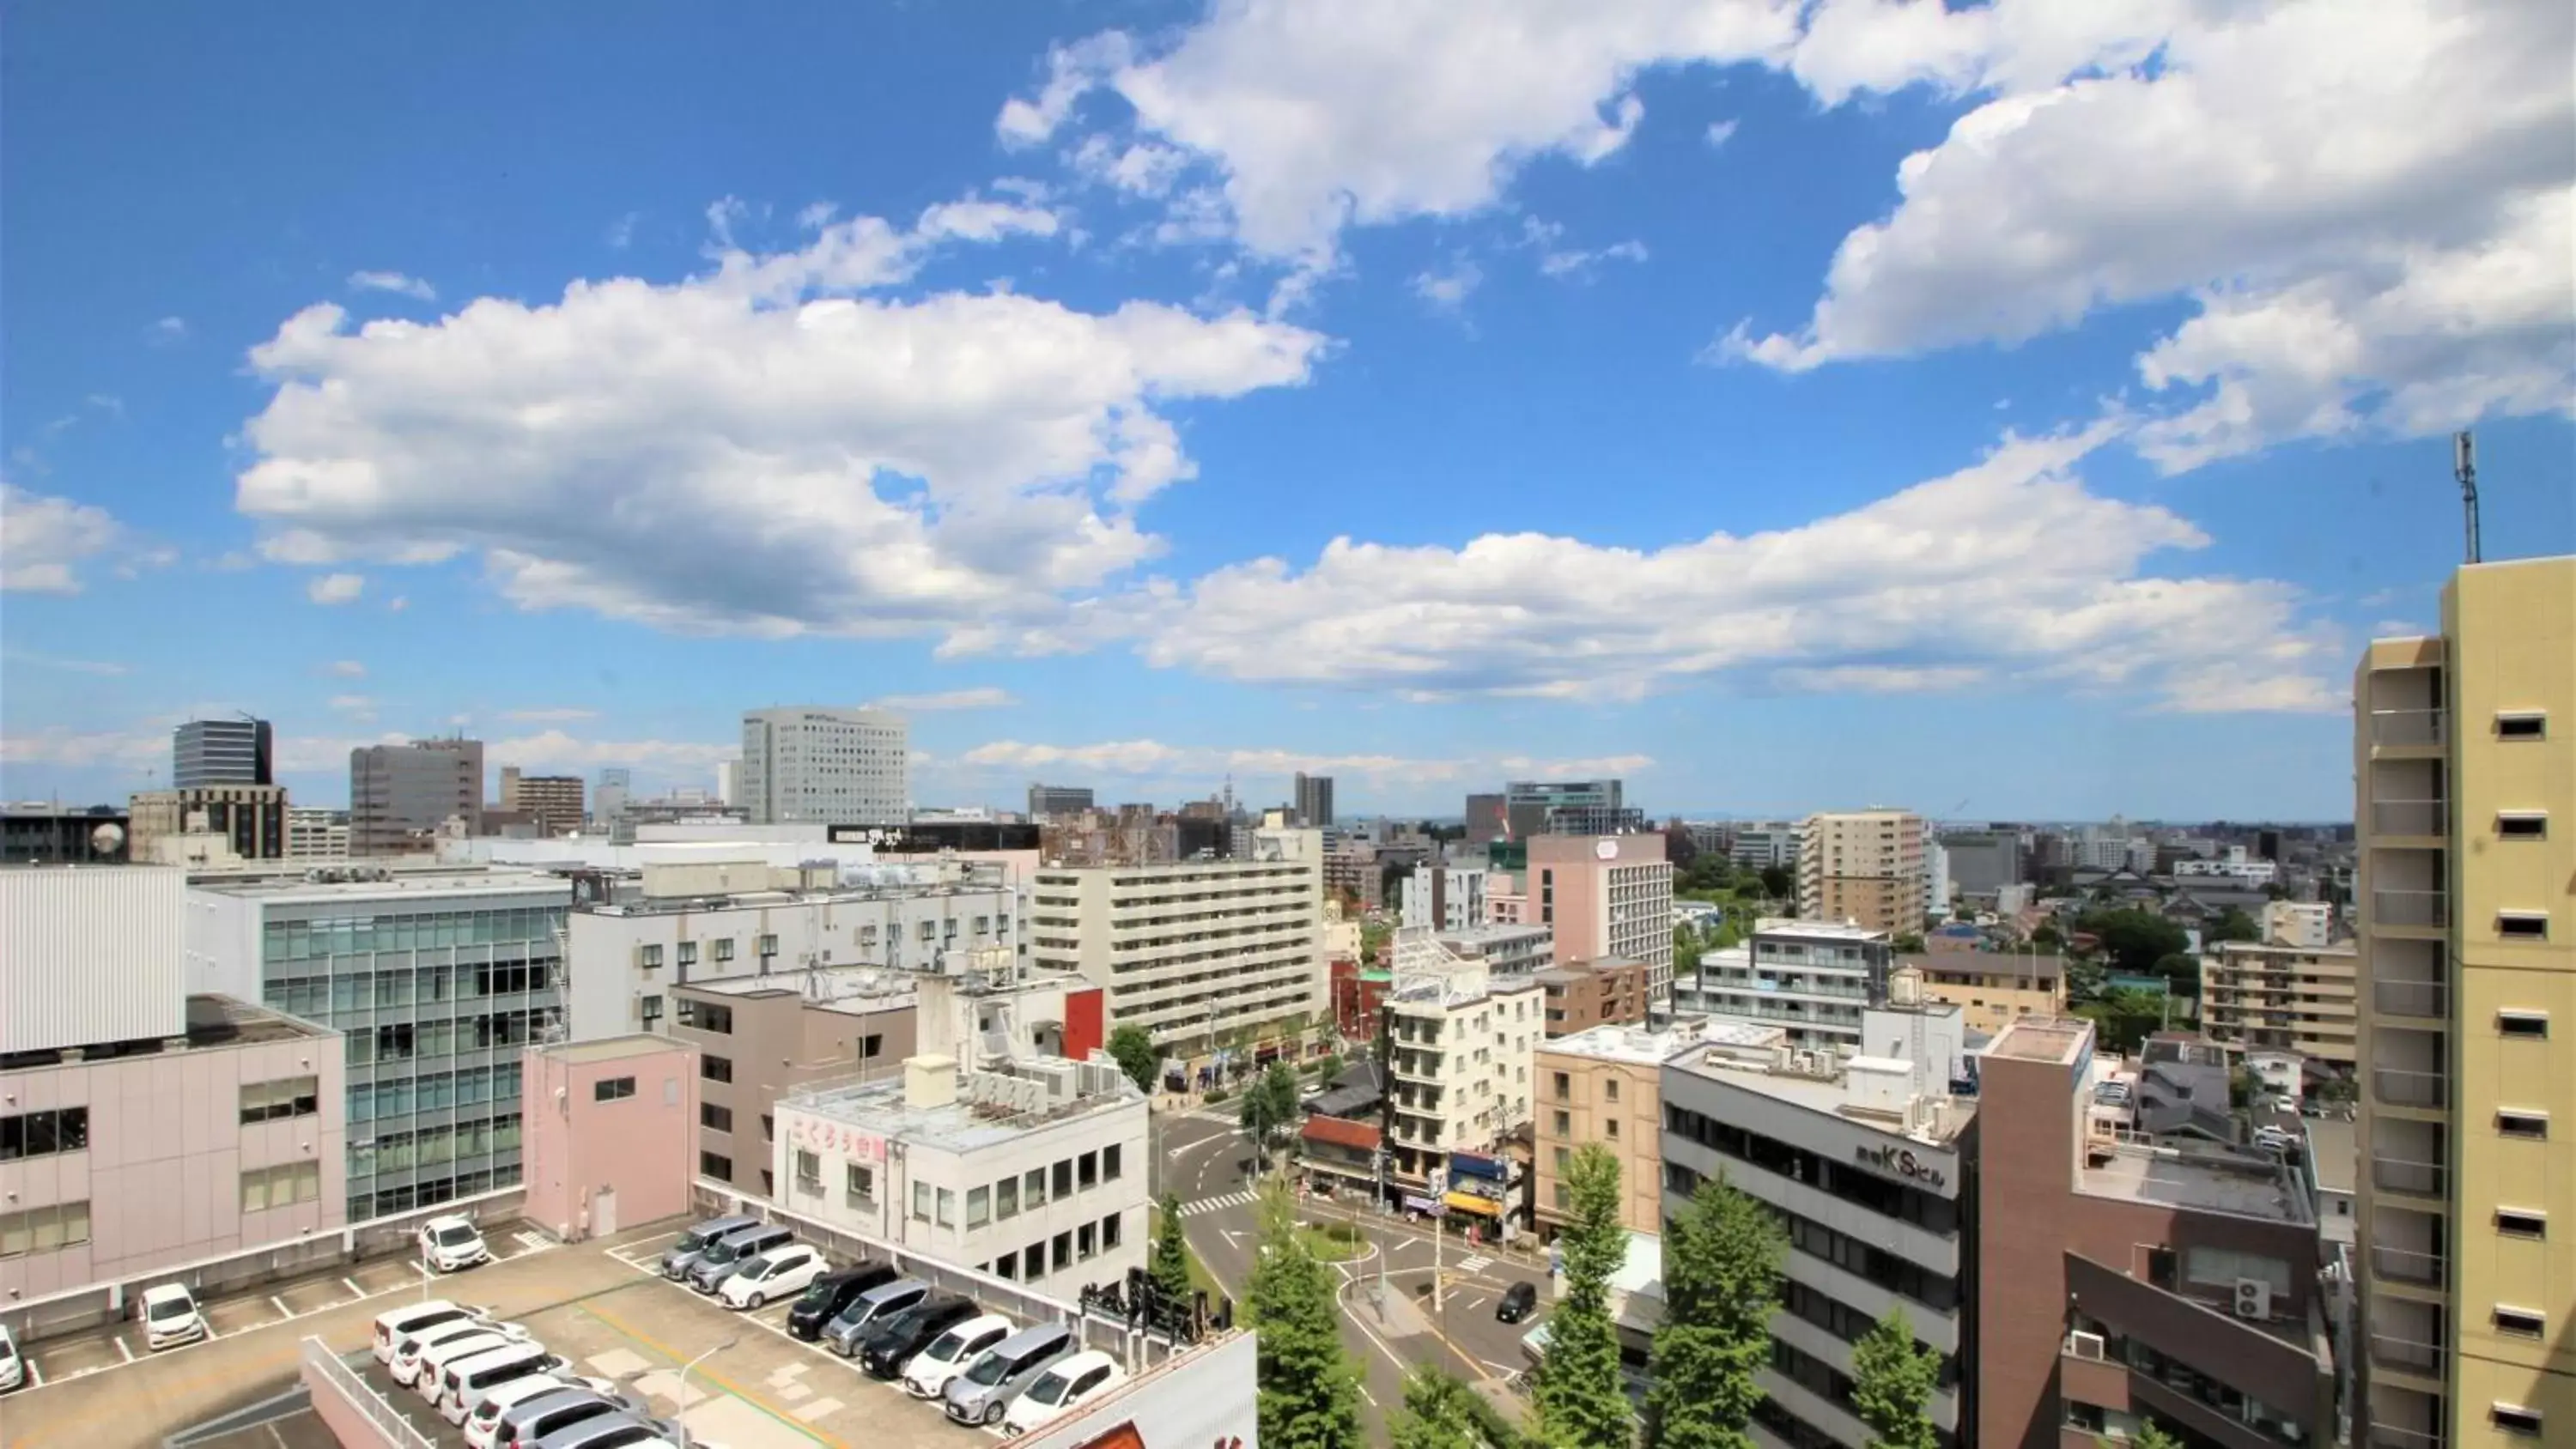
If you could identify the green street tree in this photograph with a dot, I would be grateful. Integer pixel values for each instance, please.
(2233, 924)
(1722, 1277)
(1581, 1401)
(1269, 1107)
(2151, 1435)
(1439, 1413)
(1892, 1382)
(2134, 940)
(1135, 1054)
(2123, 1018)
(1309, 1392)
(1170, 1265)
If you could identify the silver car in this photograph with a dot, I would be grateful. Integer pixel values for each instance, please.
(724, 1257)
(983, 1393)
(677, 1258)
(873, 1307)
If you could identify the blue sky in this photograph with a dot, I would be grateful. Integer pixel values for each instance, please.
(2011, 412)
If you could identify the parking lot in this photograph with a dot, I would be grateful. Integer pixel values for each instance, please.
(57, 1361)
(602, 1306)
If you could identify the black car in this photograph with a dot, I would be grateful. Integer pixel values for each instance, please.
(826, 1296)
(1517, 1302)
(887, 1347)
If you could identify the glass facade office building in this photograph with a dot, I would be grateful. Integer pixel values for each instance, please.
(435, 985)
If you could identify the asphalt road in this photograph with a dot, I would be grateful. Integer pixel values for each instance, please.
(1208, 1163)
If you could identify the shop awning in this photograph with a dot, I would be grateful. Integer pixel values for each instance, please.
(1470, 1203)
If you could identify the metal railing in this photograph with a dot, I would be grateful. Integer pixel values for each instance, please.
(2410, 908)
(2399, 1087)
(2408, 726)
(96, 1304)
(2406, 1354)
(336, 1375)
(2425, 1000)
(2410, 817)
(2405, 1265)
(2399, 1174)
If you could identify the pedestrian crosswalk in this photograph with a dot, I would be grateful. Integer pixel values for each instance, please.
(1474, 1263)
(1219, 1204)
(1222, 1116)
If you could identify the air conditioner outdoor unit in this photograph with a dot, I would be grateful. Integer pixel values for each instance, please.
(2084, 1345)
(2253, 1298)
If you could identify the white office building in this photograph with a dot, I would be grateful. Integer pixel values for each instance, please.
(1465, 1045)
(841, 766)
(316, 835)
(1762, 844)
(1199, 953)
(1034, 1171)
(713, 912)
(1861, 1159)
(2306, 924)
(1444, 897)
(1936, 876)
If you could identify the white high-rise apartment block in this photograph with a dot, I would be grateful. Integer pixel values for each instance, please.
(728, 782)
(837, 766)
(1936, 876)
(1465, 1045)
(1444, 897)
(2306, 924)
(1195, 952)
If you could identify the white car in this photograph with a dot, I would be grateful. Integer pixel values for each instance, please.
(927, 1376)
(406, 1362)
(396, 1324)
(778, 1273)
(170, 1317)
(1080, 1378)
(429, 1375)
(483, 1425)
(450, 1243)
(13, 1369)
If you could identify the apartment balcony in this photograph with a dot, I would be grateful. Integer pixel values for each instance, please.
(2389, 1436)
(2409, 728)
(2430, 818)
(2410, 908)
(2399, 1087)
(2419, 1000)
(2406, 1355)
(2404, 1265)
(2406, 1177)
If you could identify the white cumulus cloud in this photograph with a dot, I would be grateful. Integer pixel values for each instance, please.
(767, 447)
(336, 588)
(2009, 567)
(44, 539)
(394, 282)
(981, 697)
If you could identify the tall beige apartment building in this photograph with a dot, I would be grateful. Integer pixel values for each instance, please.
(2281, 998)
(1863, 866)
(2464, 753)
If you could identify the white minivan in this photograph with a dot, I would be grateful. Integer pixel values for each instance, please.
(408, 1367)
(467, 1380)
(396, 1324)
(170, 1317)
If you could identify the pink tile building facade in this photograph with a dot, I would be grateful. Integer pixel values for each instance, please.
(225, 1141)
(609, 1133)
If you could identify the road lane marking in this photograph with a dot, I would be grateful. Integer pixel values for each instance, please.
(121, 1348)
(356, 1291)
(283, 1312)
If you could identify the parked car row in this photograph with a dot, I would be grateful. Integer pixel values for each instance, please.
(496, 1382)
(979, 1367)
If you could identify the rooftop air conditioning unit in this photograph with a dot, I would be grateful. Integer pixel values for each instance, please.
(2253, 1298)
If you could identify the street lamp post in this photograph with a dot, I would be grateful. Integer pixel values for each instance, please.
(680, 1419)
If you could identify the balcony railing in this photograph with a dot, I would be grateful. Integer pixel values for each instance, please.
(2425, 1000)
(2399, 1087)
(2399, 1174)
(2410, 1355)
(2410, 817)
(2407, 726)
(2410, 908)
(2405, 1265)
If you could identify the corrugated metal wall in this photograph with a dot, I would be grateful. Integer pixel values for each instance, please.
(91, 954)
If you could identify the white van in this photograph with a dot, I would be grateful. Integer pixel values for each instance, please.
(429, 1377)
(462, 1387)
(396, 1324)
(483, 1421)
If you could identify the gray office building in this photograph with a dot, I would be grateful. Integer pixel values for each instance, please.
(1530, 807)
(222, 752)
(398, 793)
(437, 978)
(1314, 800)
(1046, 800)
(1983, 861)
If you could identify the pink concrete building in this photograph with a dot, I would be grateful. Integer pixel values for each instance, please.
(609, 1133)
(118, 1159)
(1603, 896)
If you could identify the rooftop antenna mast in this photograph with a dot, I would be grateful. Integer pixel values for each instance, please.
(2464, 466)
